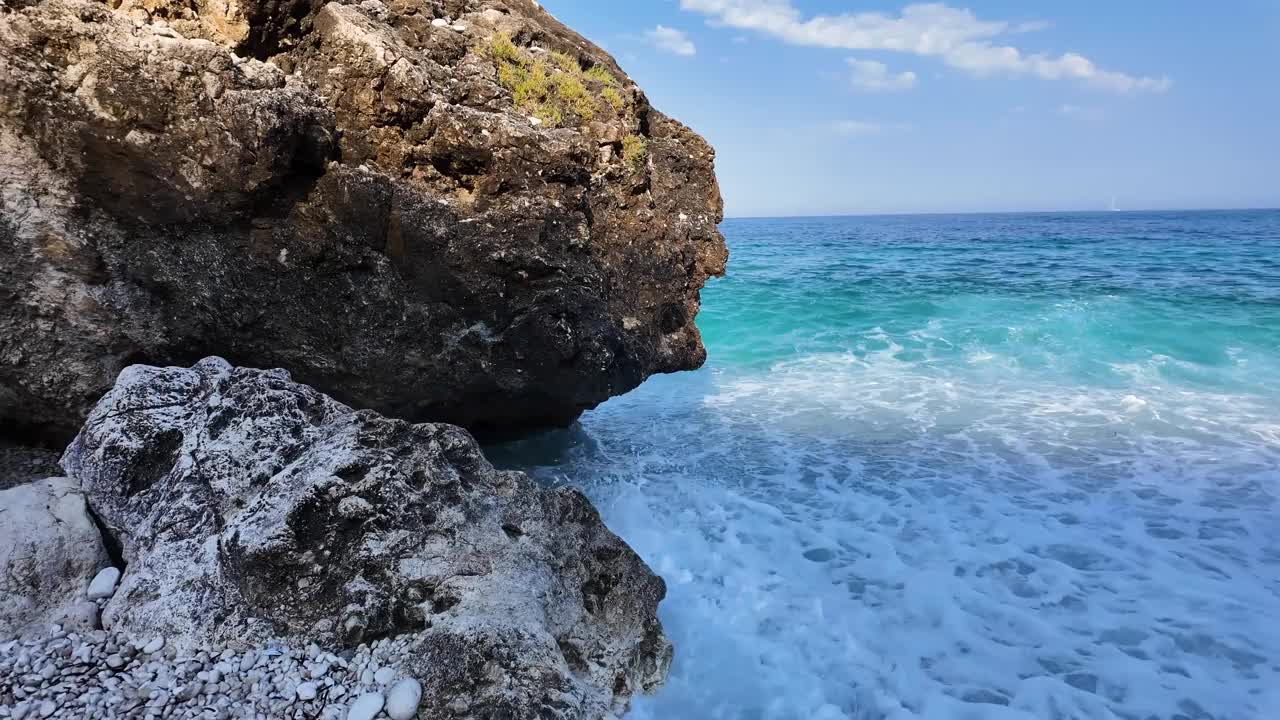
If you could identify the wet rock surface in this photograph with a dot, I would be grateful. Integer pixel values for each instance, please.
(249, 508)
(353, 191)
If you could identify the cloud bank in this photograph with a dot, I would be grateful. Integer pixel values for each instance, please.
(956, 36)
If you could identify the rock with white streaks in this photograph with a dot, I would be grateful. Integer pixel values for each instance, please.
(225, 488)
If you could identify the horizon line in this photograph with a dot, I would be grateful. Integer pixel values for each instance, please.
(998, 212)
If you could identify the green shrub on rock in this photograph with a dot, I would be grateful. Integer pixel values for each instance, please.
(555, 89)
(635, 151)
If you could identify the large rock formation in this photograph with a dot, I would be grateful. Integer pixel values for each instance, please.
(49, 551)
(453, 210)
(249, 507)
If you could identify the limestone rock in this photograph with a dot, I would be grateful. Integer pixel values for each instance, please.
(345, 190)
(225, 490)
(49, 551)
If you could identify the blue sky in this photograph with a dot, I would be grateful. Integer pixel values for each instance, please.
(844, 106)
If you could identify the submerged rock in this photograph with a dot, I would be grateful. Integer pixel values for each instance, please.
(226, 490)
(350, 191)
(49, 552)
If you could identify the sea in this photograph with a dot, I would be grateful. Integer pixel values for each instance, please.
(961, 467)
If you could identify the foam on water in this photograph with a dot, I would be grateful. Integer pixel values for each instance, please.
(942, 501)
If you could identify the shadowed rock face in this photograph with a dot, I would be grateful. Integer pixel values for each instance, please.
(249, 507)
(368, 208)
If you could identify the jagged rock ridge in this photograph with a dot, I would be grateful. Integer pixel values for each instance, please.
(355, 192)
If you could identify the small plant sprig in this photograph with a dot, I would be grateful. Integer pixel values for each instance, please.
(553, 90)
(635, 152)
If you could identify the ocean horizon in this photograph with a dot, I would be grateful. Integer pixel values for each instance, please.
(1102, 211)
(962, 466)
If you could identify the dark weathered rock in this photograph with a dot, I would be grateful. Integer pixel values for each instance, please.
(19, 465)
(368, 208)
(249, 507)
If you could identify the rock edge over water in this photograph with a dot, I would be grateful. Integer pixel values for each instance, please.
(345, 190)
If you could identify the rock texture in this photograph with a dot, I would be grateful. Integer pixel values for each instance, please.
(249, 507)
(20, 465)
(350, 191)
(49, 551)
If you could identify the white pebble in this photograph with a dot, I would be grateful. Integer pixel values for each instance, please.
(307, 691)
(153, 646)
(103, 584)
(366, 707)
(440, 22)
(385, 675)
(403, 699)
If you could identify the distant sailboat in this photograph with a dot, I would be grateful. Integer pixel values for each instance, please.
(1114, 207)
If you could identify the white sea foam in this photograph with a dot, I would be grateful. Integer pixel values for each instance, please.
(866, 537)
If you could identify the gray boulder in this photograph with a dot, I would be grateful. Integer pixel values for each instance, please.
(49, 551)
(250, 507)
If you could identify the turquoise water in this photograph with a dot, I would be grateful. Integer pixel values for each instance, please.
(1007, 466)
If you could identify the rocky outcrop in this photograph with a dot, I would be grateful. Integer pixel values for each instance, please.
(50, 550)
(454, 210)
(249, 507)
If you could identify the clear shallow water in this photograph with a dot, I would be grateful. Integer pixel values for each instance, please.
(1016, 466)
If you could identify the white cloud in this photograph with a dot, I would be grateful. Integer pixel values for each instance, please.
(1091, 114)
(956, 36)
(671, 40)
(859, 128)
(1032, 26)
(875, 76)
